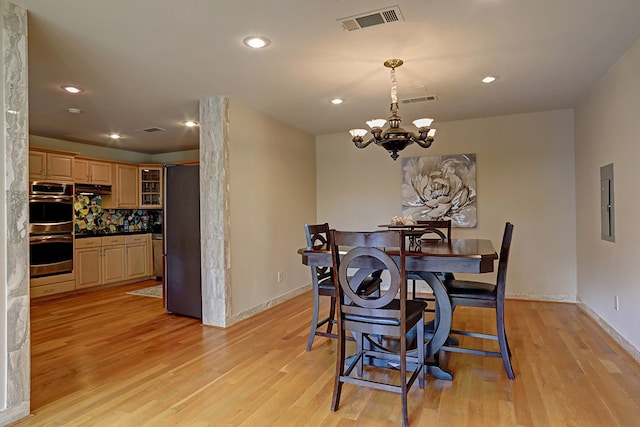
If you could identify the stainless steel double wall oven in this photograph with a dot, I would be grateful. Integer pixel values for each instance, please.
(50, 228)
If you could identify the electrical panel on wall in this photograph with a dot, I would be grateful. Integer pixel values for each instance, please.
(607, 211)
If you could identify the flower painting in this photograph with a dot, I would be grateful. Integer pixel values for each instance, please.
(440, 187)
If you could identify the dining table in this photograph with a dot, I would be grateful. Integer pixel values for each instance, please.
(424, 261)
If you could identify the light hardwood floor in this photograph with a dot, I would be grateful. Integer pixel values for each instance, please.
(111, 359)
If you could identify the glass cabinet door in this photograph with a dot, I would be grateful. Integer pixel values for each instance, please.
(150, 187)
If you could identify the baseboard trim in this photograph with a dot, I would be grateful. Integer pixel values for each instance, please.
(268, 304)
(615, 335)
(542, 297)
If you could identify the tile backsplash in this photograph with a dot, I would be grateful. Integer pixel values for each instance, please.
(90, 217)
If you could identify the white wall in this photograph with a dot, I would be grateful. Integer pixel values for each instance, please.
(525, 174)
(272, 195)
(607, 129)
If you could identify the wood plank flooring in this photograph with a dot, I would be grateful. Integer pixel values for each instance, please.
(111, 359)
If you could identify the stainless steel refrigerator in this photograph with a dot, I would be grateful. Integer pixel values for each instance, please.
(182, 240)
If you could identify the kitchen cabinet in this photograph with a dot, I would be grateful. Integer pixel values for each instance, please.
(138, 254)
(50, 165)
(113, 259)
(51, 285)
(99, 261)
(124, 191)
(87, 261)
(88, 171)
(151, 187)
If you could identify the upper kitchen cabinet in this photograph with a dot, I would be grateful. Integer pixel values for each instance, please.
(150, 186)
(89, 171)
(124, 191)
(50, 165)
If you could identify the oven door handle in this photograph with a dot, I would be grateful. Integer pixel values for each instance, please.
(50, 199)
(50, 238)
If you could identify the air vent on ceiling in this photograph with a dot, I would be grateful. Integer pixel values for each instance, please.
(374, 17)
(152, 130)
(426, 98)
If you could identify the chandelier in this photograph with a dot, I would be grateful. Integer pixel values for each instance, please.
(394, 138)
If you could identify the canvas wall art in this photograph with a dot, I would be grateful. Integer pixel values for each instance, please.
(440, 187)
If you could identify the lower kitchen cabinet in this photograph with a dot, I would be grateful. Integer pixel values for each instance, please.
(113, 259)
(138, 255)
(99, 261)
(51, 285)
(88, 266)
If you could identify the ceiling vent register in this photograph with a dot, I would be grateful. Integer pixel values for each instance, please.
(427, 98)
(152, 130)
(374, 17)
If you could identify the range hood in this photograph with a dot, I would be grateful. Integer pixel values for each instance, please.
(92, 189)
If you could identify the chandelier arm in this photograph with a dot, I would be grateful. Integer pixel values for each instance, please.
(424, 143)
(359, 142)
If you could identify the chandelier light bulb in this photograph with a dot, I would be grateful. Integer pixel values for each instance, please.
(431, 133)
(358, 132)
(376, 123)
(423, 123)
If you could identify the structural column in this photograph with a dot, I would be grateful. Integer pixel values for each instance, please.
(214, 211)
(14, 244)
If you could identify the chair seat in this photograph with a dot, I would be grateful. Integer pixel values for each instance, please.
(471, 289)
(414, 310)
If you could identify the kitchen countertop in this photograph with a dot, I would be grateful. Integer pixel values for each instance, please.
(82, 235)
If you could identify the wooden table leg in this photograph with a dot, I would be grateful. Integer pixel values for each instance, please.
(438, 335)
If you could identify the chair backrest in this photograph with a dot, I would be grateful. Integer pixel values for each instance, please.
(318, 239)
(442, 224)
(365, 254)
(317, 236)
(501, 279)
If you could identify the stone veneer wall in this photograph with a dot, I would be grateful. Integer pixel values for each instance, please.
(214, 205)
(15, 358)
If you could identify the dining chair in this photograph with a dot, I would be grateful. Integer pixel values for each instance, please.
(485, 295)
(381, 323)
(443, 225)
(322, 282)
(434, 230)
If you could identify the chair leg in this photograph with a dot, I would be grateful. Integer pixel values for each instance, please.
(421, 352)
(332, 315)
(360, 349)
(340, 360)
(314, 318)
(505, 352)
(403, 377)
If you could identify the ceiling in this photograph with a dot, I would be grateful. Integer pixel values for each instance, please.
(146, 63)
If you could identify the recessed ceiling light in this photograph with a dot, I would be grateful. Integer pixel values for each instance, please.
(190, 123)
(489, 79)
(114, 136)
(74, 110)
(256, 42)
(337, 101)
(71, 89)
